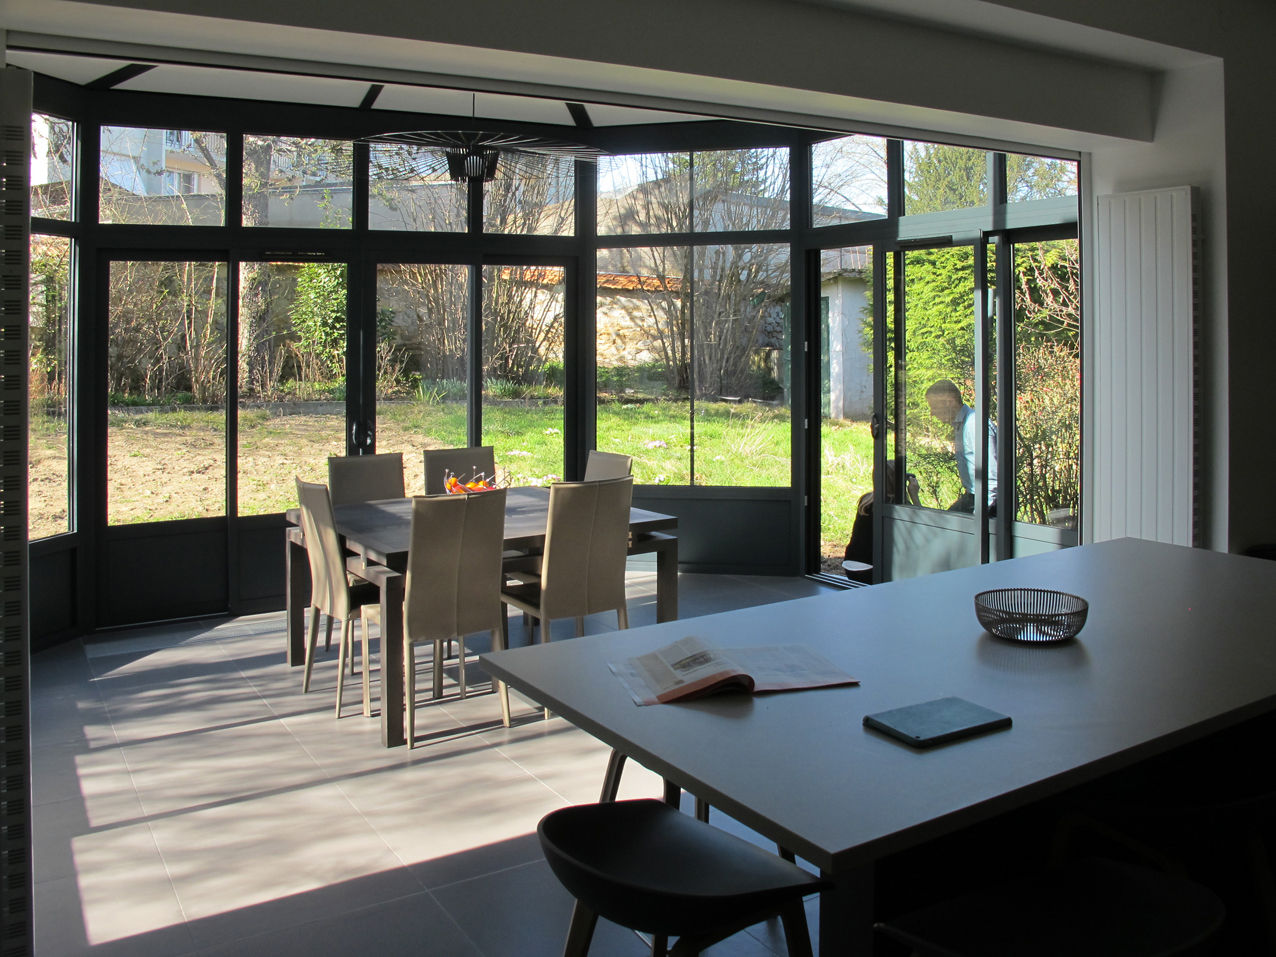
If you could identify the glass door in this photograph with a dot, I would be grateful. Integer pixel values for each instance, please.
(942, 411)
(843, 482)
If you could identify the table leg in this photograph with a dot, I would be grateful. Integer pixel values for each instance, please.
(296, 596)
(392, 660)
(846, 913)
(667, 580)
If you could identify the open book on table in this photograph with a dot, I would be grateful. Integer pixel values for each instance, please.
(691, 668)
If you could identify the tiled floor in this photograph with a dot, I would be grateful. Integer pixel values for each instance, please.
(189, 800)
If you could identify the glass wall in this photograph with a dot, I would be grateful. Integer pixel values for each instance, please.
(162, 177)
(53, 156)
(523, 373)
(537, 196)
(693, 340)
(1047, 372)
(848, 180)
(422, 361)
(940, 178)
(292, 379)
(166, 391)
(409, 189)
(297, 181)
(644, 405)
(49, 387)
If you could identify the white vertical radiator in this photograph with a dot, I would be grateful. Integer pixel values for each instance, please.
(1143, 372)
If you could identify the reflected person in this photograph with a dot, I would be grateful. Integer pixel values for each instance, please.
(945, 401)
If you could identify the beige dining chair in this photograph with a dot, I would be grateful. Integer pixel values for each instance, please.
(332, 590)
(466, 464)
(607, 465)
(365, 478)
(582, 571)
(453, 585)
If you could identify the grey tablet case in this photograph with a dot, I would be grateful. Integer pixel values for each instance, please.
(934, 722)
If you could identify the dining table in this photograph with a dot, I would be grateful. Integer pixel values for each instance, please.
(1177, 645)
(376, 538)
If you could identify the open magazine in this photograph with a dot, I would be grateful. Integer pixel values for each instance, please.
(690, 668)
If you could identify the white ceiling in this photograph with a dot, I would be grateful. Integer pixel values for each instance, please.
(84, 41)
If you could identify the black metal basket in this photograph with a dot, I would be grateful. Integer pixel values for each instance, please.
(1031, 614)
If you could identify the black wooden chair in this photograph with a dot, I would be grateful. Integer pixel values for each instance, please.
(645, 865)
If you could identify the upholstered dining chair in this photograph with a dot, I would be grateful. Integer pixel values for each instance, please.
(332, 592)
(365, 478)
(607, 465)
(465, 464)
(582, 571)
(453, 585)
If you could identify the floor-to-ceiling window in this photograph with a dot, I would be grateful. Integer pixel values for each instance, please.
(693, 316)
(271, 294)
(52, 298)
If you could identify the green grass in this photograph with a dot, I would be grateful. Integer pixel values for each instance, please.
(734, 445)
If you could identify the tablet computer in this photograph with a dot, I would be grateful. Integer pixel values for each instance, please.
(934, 722)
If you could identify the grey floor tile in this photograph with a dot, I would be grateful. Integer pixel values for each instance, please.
(61, 931)
(536, 911)
(188, 797)
(401, 927)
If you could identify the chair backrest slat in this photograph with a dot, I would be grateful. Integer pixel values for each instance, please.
(453, 585)
(365, 478)
(586, 544)
(466, 464)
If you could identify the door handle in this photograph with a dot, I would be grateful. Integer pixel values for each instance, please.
(361, 435)
(875, 425)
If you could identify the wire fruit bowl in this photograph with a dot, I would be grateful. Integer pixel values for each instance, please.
(1031, 614)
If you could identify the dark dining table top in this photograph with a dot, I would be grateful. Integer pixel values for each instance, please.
(380, 530)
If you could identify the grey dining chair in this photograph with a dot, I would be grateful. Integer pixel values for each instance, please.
(453, 585)
(332, 591)
(582, 571)
(365, 478)
(466, 464)
(607, 465)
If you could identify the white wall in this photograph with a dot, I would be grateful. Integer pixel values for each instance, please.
(1188, 151)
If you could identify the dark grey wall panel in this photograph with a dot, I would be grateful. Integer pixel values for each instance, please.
(154, 572)
(259, 551)
(53, 597)
(745, 531)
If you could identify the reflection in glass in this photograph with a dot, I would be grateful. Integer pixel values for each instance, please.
(166, 391)
(162, 177)
(1048, 382)
(848, 180)
(403, 197)
(48, 384)
(52, 166)
(644, 193)
(938, 177)
(1039, 177)
(292, 378)
(523, 371)
(422, 352)
(297, 182)
(740, 189)
(939, 309)
(536, 196)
